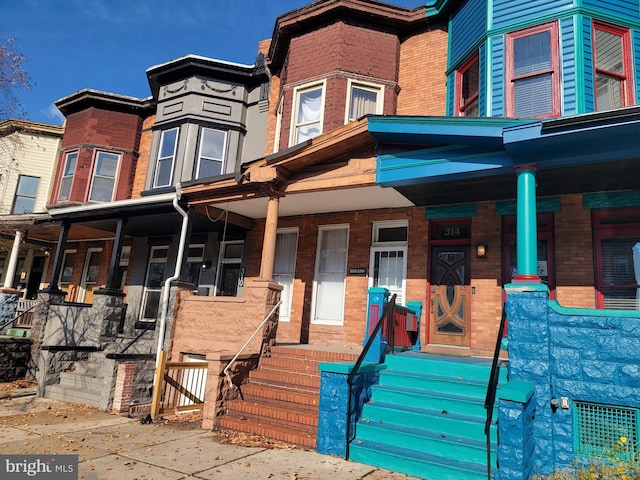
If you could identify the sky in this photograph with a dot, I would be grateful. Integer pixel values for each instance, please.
(108, 45)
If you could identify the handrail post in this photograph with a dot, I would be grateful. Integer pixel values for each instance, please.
(378, 301)
(159, 383)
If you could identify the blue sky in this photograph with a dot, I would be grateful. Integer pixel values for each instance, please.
(109, 44)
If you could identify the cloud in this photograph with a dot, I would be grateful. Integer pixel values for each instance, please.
(54, 114)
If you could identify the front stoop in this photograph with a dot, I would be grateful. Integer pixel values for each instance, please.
(82, 385)
(426, 418)
(281, 399)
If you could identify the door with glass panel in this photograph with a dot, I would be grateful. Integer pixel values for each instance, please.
(90, 272)
(229, 271)
(388, 262)
(330, 275)
(284, 269)
(153, 284)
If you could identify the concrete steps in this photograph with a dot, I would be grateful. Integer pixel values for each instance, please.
(426, 418)
(282, 397)
(81, 385)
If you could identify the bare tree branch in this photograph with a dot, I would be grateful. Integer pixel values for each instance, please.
(13, 76)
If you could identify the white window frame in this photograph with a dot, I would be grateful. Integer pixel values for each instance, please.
(368, 86)
(160, 159)
(297, 91)
(287, 291)
(378, 246)
(147, 289)
(67, 179)
(196, 259)
(201, 157)
(316, 286)
(71, 251)
(85, 283)
(95, 175)
(278, 129)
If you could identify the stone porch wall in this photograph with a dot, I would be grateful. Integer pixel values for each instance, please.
(15, 356)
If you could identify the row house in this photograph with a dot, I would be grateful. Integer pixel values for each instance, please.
(439, 154)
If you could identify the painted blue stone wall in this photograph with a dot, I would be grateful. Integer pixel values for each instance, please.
(335, 396)
(583, 355)
(8, 306)
(515, 452)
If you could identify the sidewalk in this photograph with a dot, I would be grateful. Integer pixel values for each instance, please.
(114, 447)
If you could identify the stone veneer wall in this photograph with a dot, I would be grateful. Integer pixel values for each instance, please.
(15, 356)
(8, 306)
(574, 354)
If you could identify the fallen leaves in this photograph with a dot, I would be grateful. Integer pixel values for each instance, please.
(243, 439)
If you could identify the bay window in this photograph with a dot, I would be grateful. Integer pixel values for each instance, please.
(363, 99)
(612, 61)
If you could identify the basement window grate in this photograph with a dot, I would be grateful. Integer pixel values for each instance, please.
(606, 432)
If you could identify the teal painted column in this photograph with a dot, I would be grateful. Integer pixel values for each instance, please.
(527, 224)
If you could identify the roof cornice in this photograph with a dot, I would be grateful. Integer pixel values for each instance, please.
(87, 98)
(12, 125)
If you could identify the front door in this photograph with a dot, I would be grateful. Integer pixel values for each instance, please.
(90, 273)
(450, 296)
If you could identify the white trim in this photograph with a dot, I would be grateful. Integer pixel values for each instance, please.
(173, 158)
(276, 136)
(222, 160)
(285, 311)
(82, 288)
(61, 212)
(368, 86)
(297, 91)
(377, 226)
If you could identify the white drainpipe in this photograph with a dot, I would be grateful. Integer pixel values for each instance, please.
(164, 307)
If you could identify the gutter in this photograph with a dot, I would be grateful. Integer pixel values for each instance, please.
(164, 307)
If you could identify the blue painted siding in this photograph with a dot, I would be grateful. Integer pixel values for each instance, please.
(467, 26)
(588, 80)
(628, 9)
(451, 94)
(497, 77)
(511, 12)
(568, 90)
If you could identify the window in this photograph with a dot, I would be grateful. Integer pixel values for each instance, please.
(193, 266)
(284, 268)
(166, 158)
(617, 257)
(68, 261)
(67, 176)
(307, 113)
(532, 72)
(612, 61)
(154, 282)
(330, 275)
(26, 192)
(229, 271)
(104, 177)
(213, 146)
(363, 99)
(468, 88)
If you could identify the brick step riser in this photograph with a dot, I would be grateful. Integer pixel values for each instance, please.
(308, 367)
(285, 386)
(283, 378)
(272, 402)
(261, 413)
(313, 355)
(274, 432)
(276, 396)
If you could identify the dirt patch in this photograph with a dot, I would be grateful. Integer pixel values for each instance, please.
(16, 385)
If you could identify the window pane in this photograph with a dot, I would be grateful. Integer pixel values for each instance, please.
(233, 250)
(621, 273)
(533, 96)
(164, 172)
(362, 102)
(470, 82)
(28, 186)
(168, 144)
(609, 52)
(107, 164)
(151, 305)
(24, 205)
(609, 91)
(209, 168)
(70, 165)
(212, 144)
(102, 190)
(26, 192)
(532, 54)
(308, 114)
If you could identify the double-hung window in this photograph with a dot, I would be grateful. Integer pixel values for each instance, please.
(26, 192)
(104, 176)
(307, 113)
(166, 158)
(212, 152)
(612, 66)
(532, 72)
(468, 88)
(71, 159)
(363, 99)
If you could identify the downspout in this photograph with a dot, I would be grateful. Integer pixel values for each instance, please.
(166, 289)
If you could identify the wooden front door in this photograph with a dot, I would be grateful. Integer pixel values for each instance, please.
(450, 296)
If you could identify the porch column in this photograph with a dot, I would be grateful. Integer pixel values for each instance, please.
(269, 242)
(527, 224)
(57, 259)
(113, 279)
(13, 260)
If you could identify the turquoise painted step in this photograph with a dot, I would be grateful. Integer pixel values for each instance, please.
(415, 463)
(449, 447)
(467, 368)
(460, 404)
(450, 385)
(433, 420)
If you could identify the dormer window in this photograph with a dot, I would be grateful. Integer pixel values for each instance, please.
(468, 88)
(212, 153)
(532, 72)
(363, 99)
(166, 158)
(308, 107)
(612, 66)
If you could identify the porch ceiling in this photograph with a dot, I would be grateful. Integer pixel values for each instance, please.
(322, 202)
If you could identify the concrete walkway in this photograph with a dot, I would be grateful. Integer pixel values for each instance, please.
(115, 447)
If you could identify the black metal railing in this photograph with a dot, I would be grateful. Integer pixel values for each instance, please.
(17, 320)
(494, 378)
(385, 318)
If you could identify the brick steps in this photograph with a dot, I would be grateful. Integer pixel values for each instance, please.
(281, 399)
